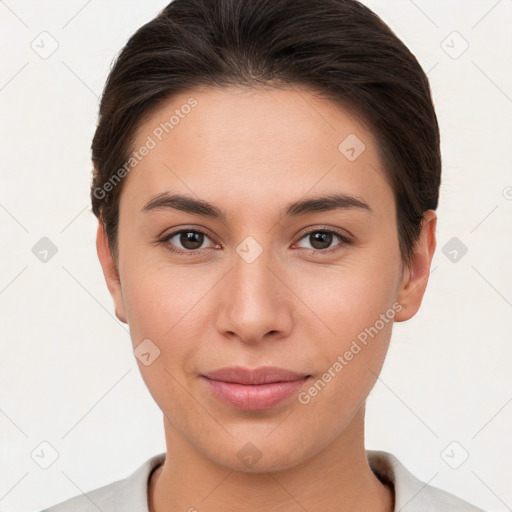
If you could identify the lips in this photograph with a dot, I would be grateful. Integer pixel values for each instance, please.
(253, 389)
(263, 375)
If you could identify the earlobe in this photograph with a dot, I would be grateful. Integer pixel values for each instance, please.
(415, 276)
(110, 271)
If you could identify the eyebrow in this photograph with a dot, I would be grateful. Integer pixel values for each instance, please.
(322, 203)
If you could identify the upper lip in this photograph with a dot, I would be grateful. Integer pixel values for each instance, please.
(262, 375)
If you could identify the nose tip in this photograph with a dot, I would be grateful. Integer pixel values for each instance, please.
(254, 303)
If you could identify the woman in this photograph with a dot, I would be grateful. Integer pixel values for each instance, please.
(266, 175)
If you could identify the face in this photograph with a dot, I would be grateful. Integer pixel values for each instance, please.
(269, 274)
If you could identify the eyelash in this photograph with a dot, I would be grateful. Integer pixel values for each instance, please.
(345, 241)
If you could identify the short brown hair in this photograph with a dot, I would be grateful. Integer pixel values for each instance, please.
(337, 47)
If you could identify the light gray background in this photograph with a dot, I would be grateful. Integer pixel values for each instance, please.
(67, 373)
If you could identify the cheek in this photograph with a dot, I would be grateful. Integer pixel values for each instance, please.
(352, 312)
(162, 306)
(352, 295)
(360, 315)
(168, 304)
(157, 296)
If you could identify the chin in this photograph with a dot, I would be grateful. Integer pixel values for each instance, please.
(258, 456)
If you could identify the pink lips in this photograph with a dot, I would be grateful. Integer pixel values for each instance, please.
(253, 390)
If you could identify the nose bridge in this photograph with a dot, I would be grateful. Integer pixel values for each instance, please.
(251, 272)
(255, 303)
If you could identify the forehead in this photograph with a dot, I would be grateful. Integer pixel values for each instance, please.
(235, 115)
(248, 142)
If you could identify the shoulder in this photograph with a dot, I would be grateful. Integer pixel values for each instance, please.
(411, 494)
(126, 495)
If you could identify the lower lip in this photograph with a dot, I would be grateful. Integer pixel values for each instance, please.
(254, 397)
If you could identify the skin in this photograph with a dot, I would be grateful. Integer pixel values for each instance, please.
(251, 152)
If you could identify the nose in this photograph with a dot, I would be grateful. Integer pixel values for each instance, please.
(256, 304)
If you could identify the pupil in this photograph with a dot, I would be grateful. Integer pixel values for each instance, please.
(321, 240)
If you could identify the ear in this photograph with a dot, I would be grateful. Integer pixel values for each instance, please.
(110, 271)
(415, 277)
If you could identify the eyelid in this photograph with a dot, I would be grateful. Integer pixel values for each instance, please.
(188, 229)
(343, 233)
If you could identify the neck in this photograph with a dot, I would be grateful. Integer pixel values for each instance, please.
(339, 477)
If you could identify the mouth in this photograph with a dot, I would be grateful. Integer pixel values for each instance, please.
(253, 390)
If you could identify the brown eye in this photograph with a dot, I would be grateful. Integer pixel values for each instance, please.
(322, 240)
(191, 239)
(185, 241)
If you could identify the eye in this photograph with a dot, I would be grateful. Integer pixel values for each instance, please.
(320, 240)
(190, 240)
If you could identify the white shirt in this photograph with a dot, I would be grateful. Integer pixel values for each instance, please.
(131, 494)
